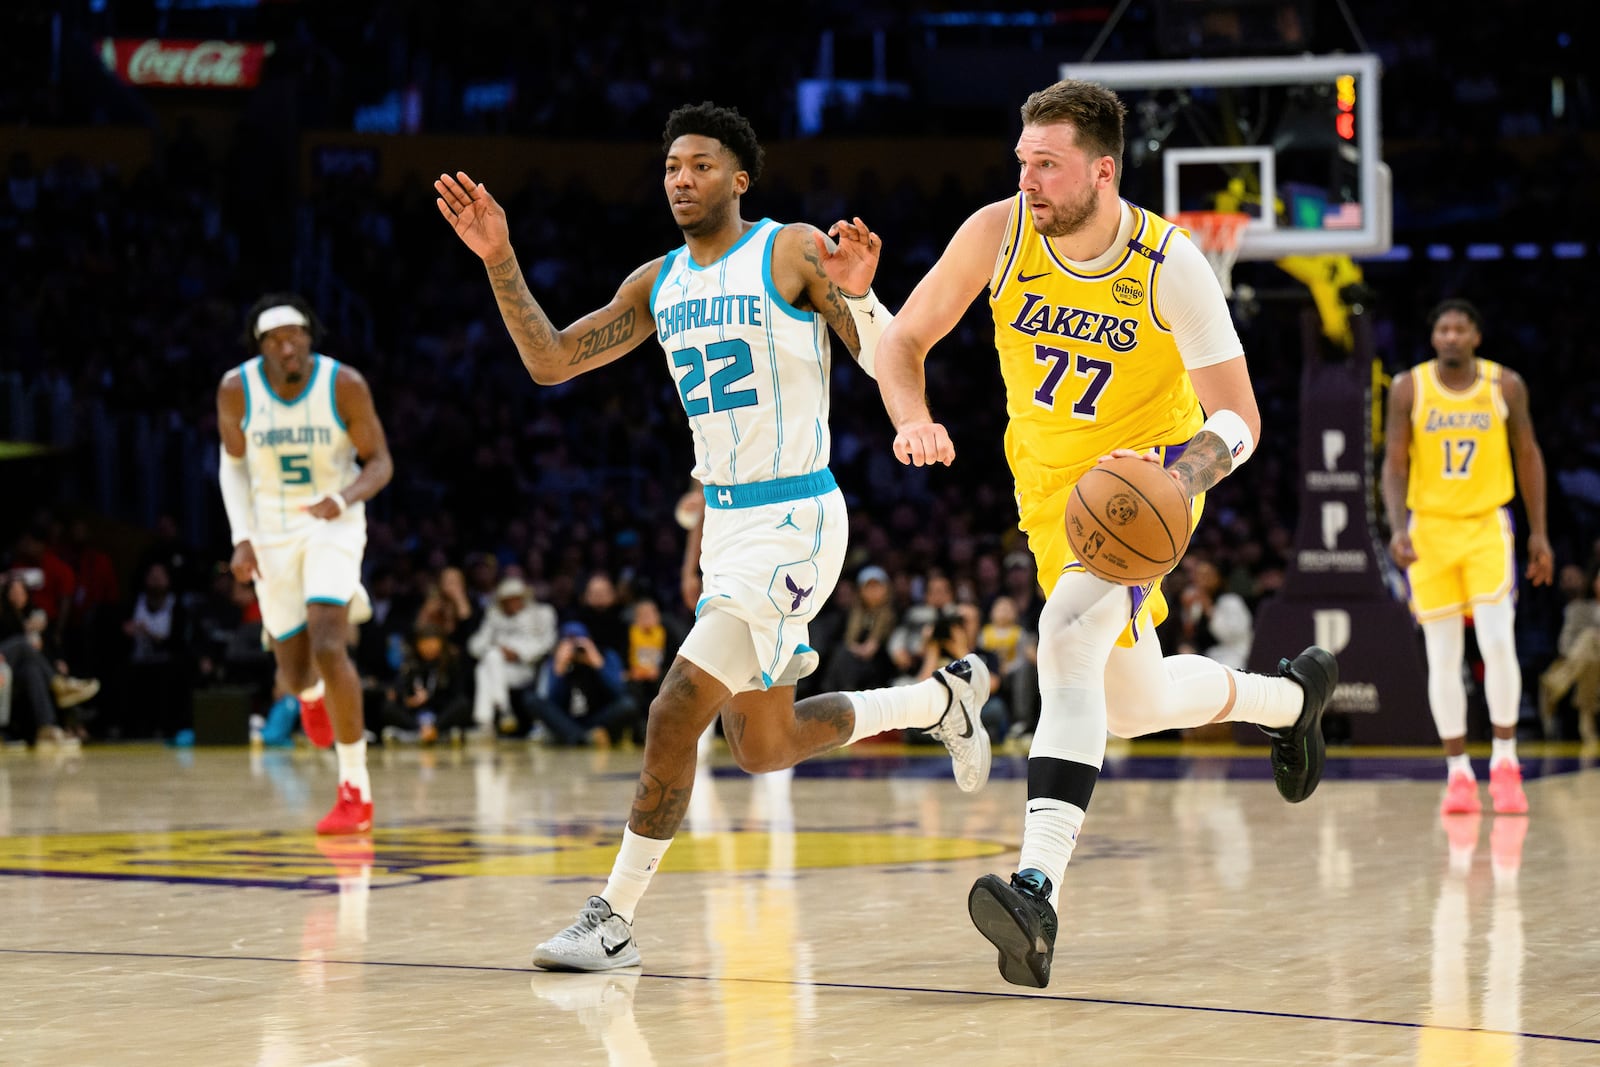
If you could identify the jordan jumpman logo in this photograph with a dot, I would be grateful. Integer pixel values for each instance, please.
(788, 520)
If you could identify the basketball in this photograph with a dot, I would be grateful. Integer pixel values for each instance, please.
(1127, 521)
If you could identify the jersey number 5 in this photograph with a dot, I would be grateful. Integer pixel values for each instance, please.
(1098, 371)
(723, 396)
(295, 468)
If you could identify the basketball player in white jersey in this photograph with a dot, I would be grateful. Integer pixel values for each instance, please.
(743, 311)
(302, 452)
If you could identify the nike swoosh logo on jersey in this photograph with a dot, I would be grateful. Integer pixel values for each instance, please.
(1026, 278)
(612, 950)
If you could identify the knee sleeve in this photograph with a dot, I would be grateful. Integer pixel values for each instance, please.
(1495, 628)
(1447, 696)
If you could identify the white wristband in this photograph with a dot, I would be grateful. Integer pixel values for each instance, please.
(1235, 434)
(338, 498)
(872, 318)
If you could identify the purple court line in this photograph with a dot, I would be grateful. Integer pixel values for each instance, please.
(1256, 1012)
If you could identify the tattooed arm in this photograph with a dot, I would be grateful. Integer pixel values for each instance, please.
(1221, 387)
(814, 274)
(551, 355)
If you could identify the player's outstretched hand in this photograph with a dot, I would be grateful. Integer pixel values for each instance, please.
(1541, 561)
(922, 444)
(475, 215)
(850, 266)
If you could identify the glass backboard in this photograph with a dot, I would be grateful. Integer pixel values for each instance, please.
(1300, 133)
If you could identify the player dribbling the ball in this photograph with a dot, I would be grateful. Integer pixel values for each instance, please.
(1114, 339)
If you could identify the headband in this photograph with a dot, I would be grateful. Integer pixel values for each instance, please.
(281, 315)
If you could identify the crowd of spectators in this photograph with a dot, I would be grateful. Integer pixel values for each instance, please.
(123, 293)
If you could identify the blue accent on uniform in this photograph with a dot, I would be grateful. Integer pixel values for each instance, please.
(690, 264)
(802, 648)
(333, 392)
(776, 491)
(700, 606)
(772, 290)
(766, 680)
(280, 638)
(327, 600)
(666, 269)
(244, 376)
(316, 368)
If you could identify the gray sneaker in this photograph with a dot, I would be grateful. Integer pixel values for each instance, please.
(961, 729)
(598, 941)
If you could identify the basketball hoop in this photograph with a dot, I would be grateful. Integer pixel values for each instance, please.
(1217, 234)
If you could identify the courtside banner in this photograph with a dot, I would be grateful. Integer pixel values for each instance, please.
(184, 64)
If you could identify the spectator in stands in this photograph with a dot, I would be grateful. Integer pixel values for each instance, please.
(650, 649)
(430, 693)
(1577, 666)
(581, 697)
(861, 660)
(157, 682)
(40, 687)
(515, 636)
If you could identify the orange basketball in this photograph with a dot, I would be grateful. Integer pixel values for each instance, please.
(1127, 521)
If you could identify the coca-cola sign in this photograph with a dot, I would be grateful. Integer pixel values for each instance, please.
(166, 63)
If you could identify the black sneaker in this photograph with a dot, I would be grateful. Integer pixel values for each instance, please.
(1298, 751)
(1019, 921)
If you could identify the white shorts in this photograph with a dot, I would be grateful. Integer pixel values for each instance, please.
(766, 570)
(321, 567)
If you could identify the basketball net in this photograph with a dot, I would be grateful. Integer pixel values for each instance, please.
(1217, 234)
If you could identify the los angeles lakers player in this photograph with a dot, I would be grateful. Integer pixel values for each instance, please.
(302, 451)
(1114, 338)
(742, 310)
(1456, 425)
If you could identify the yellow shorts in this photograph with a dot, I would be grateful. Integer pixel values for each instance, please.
(1047, 540)
(1461, 561)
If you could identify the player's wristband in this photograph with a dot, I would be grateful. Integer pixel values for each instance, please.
(337, 498)
(872, 318)
(1234, 433)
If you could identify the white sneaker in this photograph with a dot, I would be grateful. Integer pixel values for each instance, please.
(360, 606)
(598, 941)
(961, 730)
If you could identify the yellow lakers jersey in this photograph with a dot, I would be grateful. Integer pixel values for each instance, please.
(1460, 457)
(1088, 364)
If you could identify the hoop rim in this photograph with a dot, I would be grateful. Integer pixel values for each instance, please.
(1214, 231)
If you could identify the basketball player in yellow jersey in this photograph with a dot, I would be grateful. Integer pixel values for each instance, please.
(1113, 335)
(1455, 427)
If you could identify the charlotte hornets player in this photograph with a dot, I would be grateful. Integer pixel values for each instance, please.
(1113, 337)
(742, 310)
(302, 452)
(1456, 427)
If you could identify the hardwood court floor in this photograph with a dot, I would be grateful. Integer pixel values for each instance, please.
(172, 907)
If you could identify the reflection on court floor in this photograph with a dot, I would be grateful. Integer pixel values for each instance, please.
(174, 908)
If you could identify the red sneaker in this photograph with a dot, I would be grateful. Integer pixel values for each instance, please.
(1505, 789)
(1461, 796)
(315, 722)
(350, 814)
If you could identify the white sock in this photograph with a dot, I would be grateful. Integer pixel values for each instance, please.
(1503, 750)
(1461, 764)
(353, 766)
(635, 865)
(1049, 834)
(314, 693)
(1266, 700)
(899, 707)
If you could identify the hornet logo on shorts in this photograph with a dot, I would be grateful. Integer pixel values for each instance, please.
(799, 593)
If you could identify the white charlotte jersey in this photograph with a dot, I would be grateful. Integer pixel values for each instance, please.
(752, 370)
(297, 451)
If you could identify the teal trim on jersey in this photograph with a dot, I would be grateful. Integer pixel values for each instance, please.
(333, 394)
(772, 290)
(244, 376)
(292, 633)
(802, 648)
(327, 600)
(776, 491)
(766, 680)
(690, 264)
(316, 369)
(661, 276)
(703, 601)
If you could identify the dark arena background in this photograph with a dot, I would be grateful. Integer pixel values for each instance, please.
(168, 162)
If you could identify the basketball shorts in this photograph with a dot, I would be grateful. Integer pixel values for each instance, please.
(1461, 561)
(766, 570)
(321, 566)
(1045, 523)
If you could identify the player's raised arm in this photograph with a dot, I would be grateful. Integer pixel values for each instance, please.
(836, 280)
(551, 355)
(931, 312)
